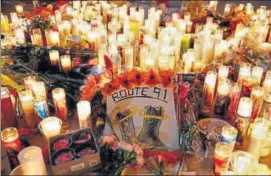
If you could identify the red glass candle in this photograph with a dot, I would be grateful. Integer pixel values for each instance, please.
(8, 115)
(235, 94)
(60, 104)
(257, 95)
(221, 157)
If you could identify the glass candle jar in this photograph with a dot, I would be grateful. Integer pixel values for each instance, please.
(59, 97)
(222, 157)
(50, 127)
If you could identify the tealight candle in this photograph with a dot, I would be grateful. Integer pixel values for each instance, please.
(222, 97)
(257, 73)
(19, 34)
(242, 119)
(50, 127)
(29, 81)
(221, 157)
(33, 155)
(39, 90)
(257, 95)
(229, 134)
(244, 72)
(257, 138)
(129, 56)
(209, 88)
(60, 104)
(27, 103)
(84, 111)
(66, 63)
(54, 57)
(19, 8)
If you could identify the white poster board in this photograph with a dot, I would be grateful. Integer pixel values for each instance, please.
(145, 115)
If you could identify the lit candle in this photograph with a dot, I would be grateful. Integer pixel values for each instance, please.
(54, 57)
(75, 28)
(235, 94)
(76, 4)
(266, 149)
(198, 45)
(39, 90)
(69, 10)
(10, 139)
(220, 48)
(4, 24)
(257, 73)
(149, 62)
(19, 34)
(50, 127)
(223, 72)
(116, 60)
(129, 57)
(209, 88)
(208, 50)
(144, 51)
(27, 103)
(242, 118)
(185, 44)
(257, 138)
(58, 16)
(64, 28)
(229, 134)
(41, 108)
(242, 163)
(134, 26)
(66, 63)
(244, 72)
(163, 62)
(261, 169)
(222, 97)
(212, 5)
(84, 111)
(227, 9)
(36, 37)
(249, 9)
(197, 66)
(101, 52)
(19, 8)
(267, 83)
(33, 155)
(266, 107)
(221, 157)
(257, 95)
(92, 39)
(188, 59)
(60, 104)
(54, 38)
(29, 81)
(14, 17)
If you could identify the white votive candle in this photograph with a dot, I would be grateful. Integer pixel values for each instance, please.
(84, 111)
(50, 127)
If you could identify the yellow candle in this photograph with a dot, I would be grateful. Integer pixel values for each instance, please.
(208, 50)
(50, 127)
(129, 57)
(220, 48)
(134, 26)
(92, 39)
(33, 155)
(101, 52)
(261, 169)
(267, 83)
(244, 72)
(54, 57)
(39, 90)
(36, 37)
(19, 8)
(58, 16)
(257, 73)
(84, 111)
(54, 38)
(27, 103)
(19, 34)
(29, 81)
(64, 28)
(66, 63)
(4, 24)
(209, 88)
(75, 28)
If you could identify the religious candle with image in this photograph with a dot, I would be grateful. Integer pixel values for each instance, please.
(235, 94)
(222, 155)
(257, 95)
(60, 104)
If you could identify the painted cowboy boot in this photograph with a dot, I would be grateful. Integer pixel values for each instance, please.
(127, 127)
(149, 133)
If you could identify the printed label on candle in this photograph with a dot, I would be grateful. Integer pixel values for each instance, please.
(241, 124)
(41, 109)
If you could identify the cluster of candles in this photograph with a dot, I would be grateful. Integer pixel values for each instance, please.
(130, 40)
(227, 162)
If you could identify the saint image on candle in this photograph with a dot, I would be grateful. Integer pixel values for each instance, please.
(84, 111)
(50, 127)
(60, 104)
(54, 57)
(229, 134)
(66, 63)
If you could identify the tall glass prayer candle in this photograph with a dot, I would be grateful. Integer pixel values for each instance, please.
(69, 10)
(223, 72)
(266, 107)
(220, 48)
(14, 17)
(242, 118)
(41, 108)
(84, 111)
(29, 81)
(36, 37)
(198, 43)
(129, 57)
(11, 140)
(222, 157)
(66, 64)
(229, 134)
(266, 149)
(4, 24)
(212, 5)
(185, 44)
(8, 114)
(249, 9)
(242, 163)
(101, 52)
(27, 104)
(188, 59)
(58, 16)
(75, 28)
(257, 138)
(257, 73)
(39, 90)
(34, 156)
(134, 26)
(92, 39)
(116, 60)
(222, 97)
(144, 49)
(54, 38)
(209, 88)
(267, 82)
(54, 57)
(208, 50)
(257, 95)
(64, 28)
(60, 104)
(244, 72)
(227, 9)
(19, 8)
(50, 127)
(163, 62)
(19, 34)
